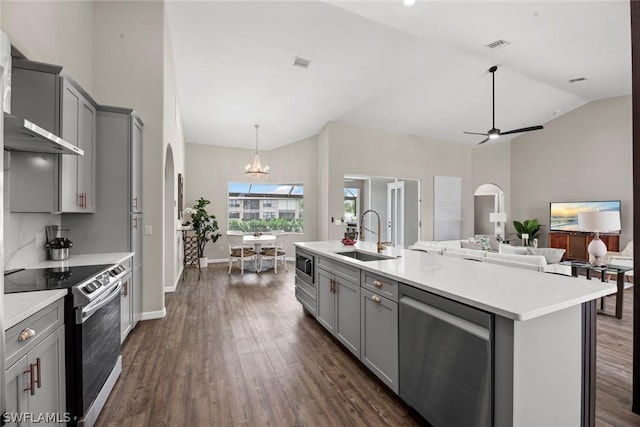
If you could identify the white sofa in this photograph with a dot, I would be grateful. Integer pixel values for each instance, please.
(538, 259)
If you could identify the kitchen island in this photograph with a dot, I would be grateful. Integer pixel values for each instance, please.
(510, 346)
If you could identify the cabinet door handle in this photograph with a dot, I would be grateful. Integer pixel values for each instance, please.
(39, 375)
(377, 283)
(135, 202)
(32, 386)
(26, 334)
(80, 200)
(376, 298)
(135, 222)
(125, 288)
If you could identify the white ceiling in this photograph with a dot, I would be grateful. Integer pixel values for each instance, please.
(418, 69)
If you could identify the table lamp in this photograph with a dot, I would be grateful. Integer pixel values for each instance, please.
(598, 222)
(498, 218)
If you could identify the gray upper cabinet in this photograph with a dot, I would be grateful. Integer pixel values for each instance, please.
(116, 226)
(77, 181)
(136, 165)
(39, 182)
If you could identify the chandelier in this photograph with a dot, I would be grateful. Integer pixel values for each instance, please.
(255, 170)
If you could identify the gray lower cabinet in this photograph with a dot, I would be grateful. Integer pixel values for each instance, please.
(379, 337)
(339, 308)
(35, 381)
(126, 307)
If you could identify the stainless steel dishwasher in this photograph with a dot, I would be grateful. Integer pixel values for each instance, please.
(446, 359)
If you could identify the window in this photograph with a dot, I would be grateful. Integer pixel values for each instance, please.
(251, 204)
(287, 214)
(351, 204)
(265, 207)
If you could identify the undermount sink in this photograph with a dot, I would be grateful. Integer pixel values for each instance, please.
(364, 256)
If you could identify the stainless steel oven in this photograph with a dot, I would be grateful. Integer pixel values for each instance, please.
(92, 330)
(304, 266)
(96, 352)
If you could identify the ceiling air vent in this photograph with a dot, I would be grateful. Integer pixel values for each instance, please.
(498, 44)
(301, 62)
(578, 79)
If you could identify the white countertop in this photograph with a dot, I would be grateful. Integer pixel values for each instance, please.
(510, 292)
(18, 307)
(84, 259)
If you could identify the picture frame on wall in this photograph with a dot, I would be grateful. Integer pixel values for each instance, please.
(180, 195)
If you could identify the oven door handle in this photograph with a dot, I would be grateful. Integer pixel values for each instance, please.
(86, 312)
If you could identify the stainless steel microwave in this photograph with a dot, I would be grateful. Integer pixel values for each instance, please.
(304, 266)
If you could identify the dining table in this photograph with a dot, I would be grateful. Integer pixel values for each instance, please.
(258, 241)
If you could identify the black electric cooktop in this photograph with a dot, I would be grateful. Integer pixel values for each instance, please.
(45, 279)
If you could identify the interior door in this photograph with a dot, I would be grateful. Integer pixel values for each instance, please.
(395, 213)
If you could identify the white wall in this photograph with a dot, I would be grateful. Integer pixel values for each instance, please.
(55, 32)
(118, 53)
(583, 155)
(210, 169)
(174, 137)
(370, 152)
(58, 33)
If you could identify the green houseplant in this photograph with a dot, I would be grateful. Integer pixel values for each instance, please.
(528, 226)
(205, 225)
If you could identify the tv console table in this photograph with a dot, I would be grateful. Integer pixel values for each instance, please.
(575, 243)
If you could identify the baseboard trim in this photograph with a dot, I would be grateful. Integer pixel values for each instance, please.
(150, 315)
(170, 289)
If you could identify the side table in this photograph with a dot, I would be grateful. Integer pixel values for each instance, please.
(618, 270)
(190, 250)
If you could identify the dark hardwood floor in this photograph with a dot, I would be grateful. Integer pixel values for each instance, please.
(238, 351)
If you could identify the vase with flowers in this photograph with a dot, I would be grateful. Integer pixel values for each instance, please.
(204, 225)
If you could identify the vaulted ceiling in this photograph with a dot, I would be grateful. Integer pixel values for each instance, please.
(418, 69)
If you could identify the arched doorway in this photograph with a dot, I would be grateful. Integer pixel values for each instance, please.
(487, 199)
(169, 221)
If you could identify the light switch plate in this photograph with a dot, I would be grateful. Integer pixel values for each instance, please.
(148, 231)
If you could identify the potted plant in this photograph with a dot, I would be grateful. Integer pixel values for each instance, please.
(528, 227)
(59, 248)
(204, 225)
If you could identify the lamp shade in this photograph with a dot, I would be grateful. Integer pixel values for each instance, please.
(602, 222)
(497, 217)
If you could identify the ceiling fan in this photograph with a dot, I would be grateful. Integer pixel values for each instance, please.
(493, 132)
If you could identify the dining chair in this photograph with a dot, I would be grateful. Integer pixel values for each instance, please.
(275, 251)
(240, 253)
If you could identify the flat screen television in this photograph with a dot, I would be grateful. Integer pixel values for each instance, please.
(564, 215)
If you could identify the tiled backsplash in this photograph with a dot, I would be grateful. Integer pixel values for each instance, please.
(20, 233)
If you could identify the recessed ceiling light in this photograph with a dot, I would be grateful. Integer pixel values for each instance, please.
(578, 79)
(498, 44)
(301, 62)
(408, 2)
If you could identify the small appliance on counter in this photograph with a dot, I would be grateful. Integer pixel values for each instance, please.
(58, 247)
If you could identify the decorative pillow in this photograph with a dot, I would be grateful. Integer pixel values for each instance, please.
(517, 250)
(471, 245)
(552, 255)
(489, 243)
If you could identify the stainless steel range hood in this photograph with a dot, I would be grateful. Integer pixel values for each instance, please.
(23, 135)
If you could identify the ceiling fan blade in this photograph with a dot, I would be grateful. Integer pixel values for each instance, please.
(522, 130)
(483, 141)
(476, 133)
